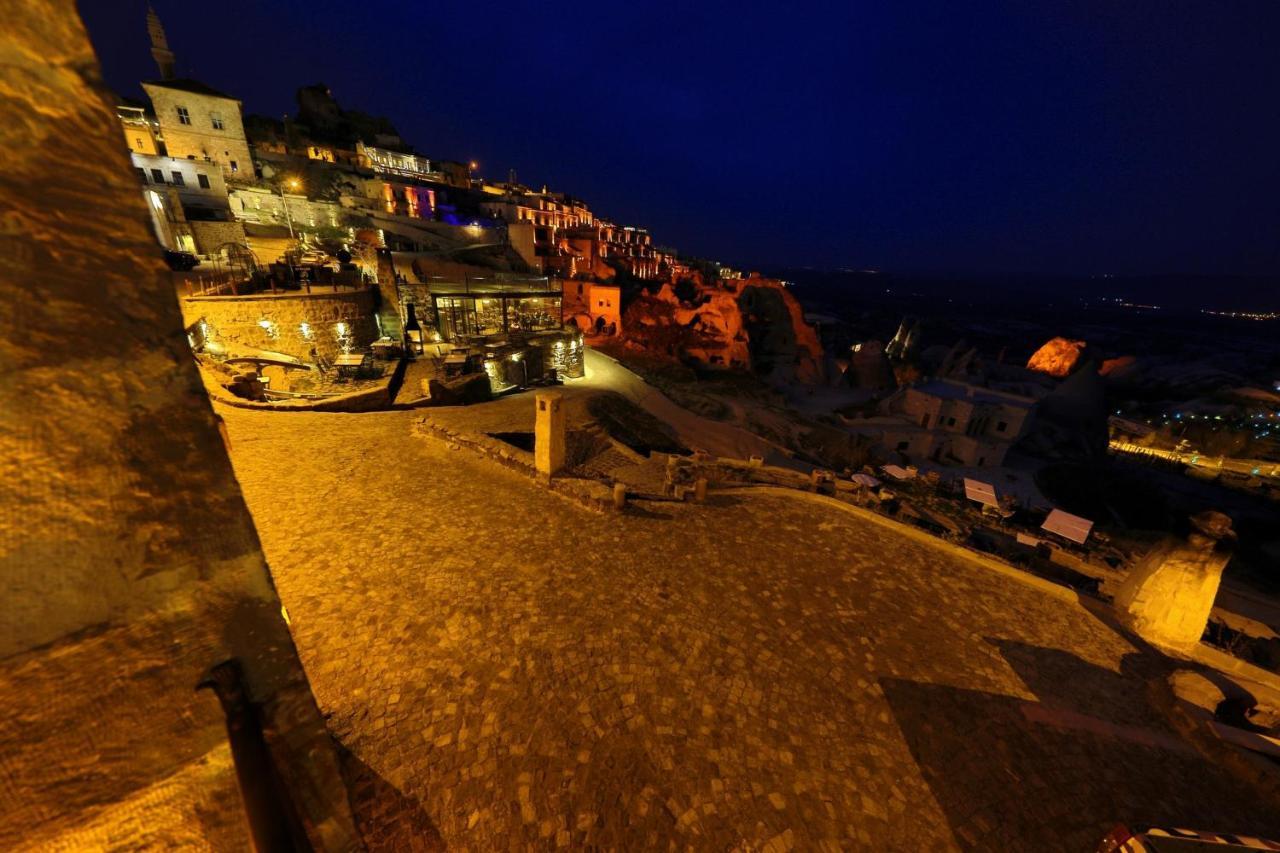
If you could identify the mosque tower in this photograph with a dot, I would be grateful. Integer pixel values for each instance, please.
(159, 44)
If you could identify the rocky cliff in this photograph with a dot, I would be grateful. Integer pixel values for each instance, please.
(750, 323)
(1058, 357)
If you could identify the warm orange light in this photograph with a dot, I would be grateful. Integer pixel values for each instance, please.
(474, 165)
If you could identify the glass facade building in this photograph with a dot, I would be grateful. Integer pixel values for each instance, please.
(481, 307)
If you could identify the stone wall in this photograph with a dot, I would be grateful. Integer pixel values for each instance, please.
(264, 206)
(291, 324)
(211, 235)
(129, 564)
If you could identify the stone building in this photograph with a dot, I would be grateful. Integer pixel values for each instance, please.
(595, 308)
(958, 423)
(200, 123)
(196, 121)
(188, 201)
(140, 129)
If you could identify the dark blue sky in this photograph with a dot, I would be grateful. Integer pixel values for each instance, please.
(1140, 136)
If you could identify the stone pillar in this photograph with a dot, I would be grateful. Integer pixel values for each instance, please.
(129, 564)
(549, 433)
(1167, 597)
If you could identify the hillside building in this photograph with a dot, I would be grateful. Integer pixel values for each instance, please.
(594, 308)
(188, 202)
(954, 423)
(196, 121)
(140, 129)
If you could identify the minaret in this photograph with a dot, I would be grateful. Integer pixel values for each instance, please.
(159, 44)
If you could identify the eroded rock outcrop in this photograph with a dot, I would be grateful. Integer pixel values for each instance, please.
(869, 368)
(1058, 357)
(751, 324)
(1168, 596)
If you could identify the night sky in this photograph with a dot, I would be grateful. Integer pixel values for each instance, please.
(1128, 137)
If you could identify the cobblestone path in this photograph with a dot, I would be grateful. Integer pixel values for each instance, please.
(507, 669)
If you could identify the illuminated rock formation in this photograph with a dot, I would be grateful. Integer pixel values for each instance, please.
(1058, 357)
(751, 324)
(1167, 597)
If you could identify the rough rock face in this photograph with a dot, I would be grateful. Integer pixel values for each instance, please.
(131, 565)
(1058, 357)
(1071, 421)
(1168, 596)
(751, 324)
(869, 368)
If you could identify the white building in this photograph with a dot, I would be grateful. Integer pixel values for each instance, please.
(188, 202)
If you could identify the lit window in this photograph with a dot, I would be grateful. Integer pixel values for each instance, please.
(184, 117)
(157, 176)
(203, 180)
(178, 180)
(216, 120)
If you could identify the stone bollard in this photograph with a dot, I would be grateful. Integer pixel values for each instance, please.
(549, 433)
(619, 495)
(700, 489)
(1167, 597)
(756, 461)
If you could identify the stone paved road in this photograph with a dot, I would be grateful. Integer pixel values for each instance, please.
(508, 669)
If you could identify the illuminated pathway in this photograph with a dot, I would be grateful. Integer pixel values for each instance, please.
(507, 668)
(1253, 467)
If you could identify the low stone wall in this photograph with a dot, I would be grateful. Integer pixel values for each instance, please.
(293, 324)
(590, 493)
(370, 399)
